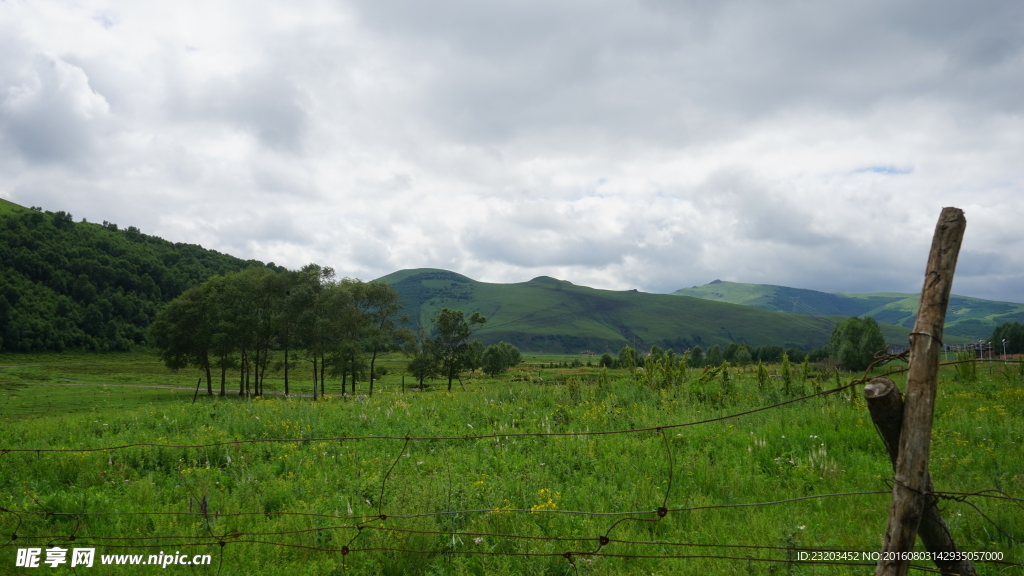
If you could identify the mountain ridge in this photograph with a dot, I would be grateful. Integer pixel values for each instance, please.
(967, 317)
(550, 315)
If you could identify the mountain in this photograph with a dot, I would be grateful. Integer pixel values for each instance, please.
(970, 318)
(549, 315)
(89, 286)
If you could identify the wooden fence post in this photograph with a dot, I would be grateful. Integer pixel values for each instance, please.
(886, 406)
(910, 496)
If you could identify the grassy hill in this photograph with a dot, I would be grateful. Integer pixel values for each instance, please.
(549, 315)
(8, 207)
(969, 318)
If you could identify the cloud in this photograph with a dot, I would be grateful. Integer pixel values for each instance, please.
(48, 111)
(648, 145)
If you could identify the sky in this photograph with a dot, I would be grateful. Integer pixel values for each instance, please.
(618, 144)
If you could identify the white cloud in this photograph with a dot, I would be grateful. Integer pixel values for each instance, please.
(648, 145)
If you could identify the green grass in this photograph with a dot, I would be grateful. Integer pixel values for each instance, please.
(8, 206)
(969, 318)
(825, 445)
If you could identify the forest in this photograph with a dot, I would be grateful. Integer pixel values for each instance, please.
(85, 286)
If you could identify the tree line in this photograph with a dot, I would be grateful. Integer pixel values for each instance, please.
(321, 326)
(852, 346)
(234, 321)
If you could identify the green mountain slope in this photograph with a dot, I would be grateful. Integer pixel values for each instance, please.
(89, 286)
(969, 318)
(552, 315)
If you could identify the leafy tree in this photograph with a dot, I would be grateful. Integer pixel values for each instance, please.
(770, 353)
(474, 356)
(319, 331)
(627, 357)
(606, 361)
(854, 342)
(696, 357)
(730, 351)
(1013, 333)
(423, 366)
(182, 332)
(500, 357)
(384, 332)
(452, 331)
(656, 352)
(795, 354)
(742, 357)
(818, 354)
(715, 357)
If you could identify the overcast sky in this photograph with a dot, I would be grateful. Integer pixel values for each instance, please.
(648, 144)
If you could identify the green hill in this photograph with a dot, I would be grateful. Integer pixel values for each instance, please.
(549, 315)
(89, 286)
(968, 318)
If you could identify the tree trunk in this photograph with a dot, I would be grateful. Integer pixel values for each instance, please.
(353, 373)
(373, 359)
(286, 361)
(223, 375)
(314, 376)
(256, 365)
(206, 365)
(322, 379)
(241, 372)
(909, 494)
(886, 407)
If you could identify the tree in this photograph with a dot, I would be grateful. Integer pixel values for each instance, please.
(715, 357)
(854, 342)
(696, 357)
(384, 333)
(500, 357)
(1013, 333)
(452, 331)
(730, 352)
(473, 356)
(606, 361)
(770, 353)
(795, 354)
(182, 332)
(627, 357)
(742, 357)
(315, 288)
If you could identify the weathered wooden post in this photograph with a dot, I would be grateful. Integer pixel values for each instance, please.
(886, 406)
(910, 492)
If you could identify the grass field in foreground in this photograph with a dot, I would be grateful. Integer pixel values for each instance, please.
(502, 496)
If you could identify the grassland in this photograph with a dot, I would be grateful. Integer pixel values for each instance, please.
(969, 318)
(519, 486)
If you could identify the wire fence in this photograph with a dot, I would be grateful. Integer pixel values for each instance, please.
(574, 549)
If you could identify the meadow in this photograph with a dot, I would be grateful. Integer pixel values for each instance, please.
(475, 481)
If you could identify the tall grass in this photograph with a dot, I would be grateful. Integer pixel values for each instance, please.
(510, 485)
